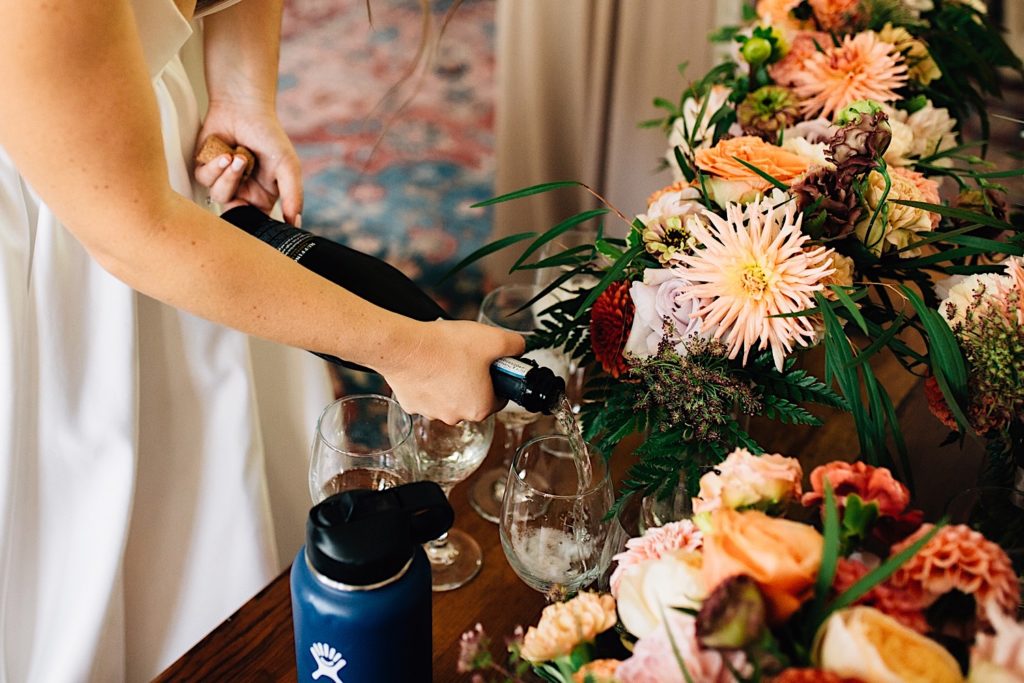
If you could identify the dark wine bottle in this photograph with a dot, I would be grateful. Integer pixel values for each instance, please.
(520, 380)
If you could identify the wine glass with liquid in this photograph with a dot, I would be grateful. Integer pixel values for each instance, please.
(447, 454)
(553, 528)
(362, 442)
(507, 307)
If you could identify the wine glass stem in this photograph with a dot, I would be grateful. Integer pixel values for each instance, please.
(513, 439)
(441, 542)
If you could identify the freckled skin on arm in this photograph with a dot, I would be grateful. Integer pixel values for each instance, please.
(79, 118)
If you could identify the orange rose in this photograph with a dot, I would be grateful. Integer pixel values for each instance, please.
(732, 181)
(782, 556)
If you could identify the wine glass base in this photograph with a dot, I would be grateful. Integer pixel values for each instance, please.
(487, 491)
(455, 563)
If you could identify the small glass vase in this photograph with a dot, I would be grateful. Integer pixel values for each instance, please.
(656, 510)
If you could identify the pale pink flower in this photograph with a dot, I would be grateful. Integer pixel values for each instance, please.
(753, 267)
(660, 309)
(656, 541)
(655, 658)
(803, 46)
(746, 480)
(861, 68)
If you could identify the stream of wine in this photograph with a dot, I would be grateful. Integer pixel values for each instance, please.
(570, 426)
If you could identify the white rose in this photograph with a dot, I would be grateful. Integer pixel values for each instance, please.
(648, 589)
(656, 298)
(932, 129)
(685, 128)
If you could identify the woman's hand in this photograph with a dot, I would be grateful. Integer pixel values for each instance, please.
(444, 373)
(277, 173)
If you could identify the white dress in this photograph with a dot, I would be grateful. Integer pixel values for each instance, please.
(134, 510)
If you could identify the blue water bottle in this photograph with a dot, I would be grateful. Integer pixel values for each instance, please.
(361, 586)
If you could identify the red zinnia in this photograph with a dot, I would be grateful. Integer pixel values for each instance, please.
(610, 321)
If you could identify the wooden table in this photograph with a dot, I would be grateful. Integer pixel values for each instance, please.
(256, 643)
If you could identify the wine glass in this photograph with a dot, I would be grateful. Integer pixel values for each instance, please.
(553, 527)
(361, 442)
(501, 308)
(448, 454)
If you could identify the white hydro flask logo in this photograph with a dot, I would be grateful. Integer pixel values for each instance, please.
(328, 661)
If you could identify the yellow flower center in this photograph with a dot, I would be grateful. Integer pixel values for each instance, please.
(754, 280)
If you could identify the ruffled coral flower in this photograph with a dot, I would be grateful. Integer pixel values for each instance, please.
(611, 319)
(861, 68)
(959, 558)
(753, 267)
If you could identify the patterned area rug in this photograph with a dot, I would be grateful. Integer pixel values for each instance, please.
(409, 202)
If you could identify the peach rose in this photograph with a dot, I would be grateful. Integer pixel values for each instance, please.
(731, 181)
(744, 480)
(782, 556)
(864, 643)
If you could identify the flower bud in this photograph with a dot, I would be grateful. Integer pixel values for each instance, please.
(756, 51)
(852, 113)
(733, 616)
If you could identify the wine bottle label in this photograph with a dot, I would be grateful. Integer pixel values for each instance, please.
(512, 366)
(291, 242)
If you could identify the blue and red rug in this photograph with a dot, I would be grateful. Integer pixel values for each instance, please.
(410, 201)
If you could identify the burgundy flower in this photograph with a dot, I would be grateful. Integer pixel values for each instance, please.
(610, 321)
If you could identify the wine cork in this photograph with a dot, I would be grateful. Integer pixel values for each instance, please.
(214, 147)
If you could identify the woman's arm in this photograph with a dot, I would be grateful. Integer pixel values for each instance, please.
(80, 120)
(241, 50)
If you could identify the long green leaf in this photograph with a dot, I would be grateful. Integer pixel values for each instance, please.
(527, 191)
(947, 362)
(486, 250)
(609, 277)
(574, 256)
(566, 225)
(954, 212)
(880, 342)
(767, 176)
(987, 246)
(830, 551)
(881, 572)
(850, 306)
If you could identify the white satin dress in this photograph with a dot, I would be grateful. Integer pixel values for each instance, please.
(134, 506)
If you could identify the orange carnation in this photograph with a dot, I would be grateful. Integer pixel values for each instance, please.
(597, 671)
(782, 556)
(811, 676)
(871, 484)
(959, 558)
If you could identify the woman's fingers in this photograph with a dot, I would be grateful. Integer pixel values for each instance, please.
(225, 186)
(208, 173)
(289, 183)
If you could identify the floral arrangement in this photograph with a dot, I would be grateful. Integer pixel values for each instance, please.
(823, 187)
(860, 590)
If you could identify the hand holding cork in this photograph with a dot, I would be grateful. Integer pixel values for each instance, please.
(214, 147)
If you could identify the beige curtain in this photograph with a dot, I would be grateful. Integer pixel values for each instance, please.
(575, 77)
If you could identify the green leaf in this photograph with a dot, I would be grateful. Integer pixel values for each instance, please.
(954, 212)
(554, 232)
(486, 250)
(850, 306)
(574, 256)
(609, 277)
(947, 362)
(527, 191)
(770, 178)
(608, 249)
(880, 341)
(880, 573)
(829, 553)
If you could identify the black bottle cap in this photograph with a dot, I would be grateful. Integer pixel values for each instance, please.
(544, 390)
(362, 537)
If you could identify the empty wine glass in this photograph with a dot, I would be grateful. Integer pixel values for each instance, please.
(448, 454)
(501, 308)
(361, 442)
(552, 528)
